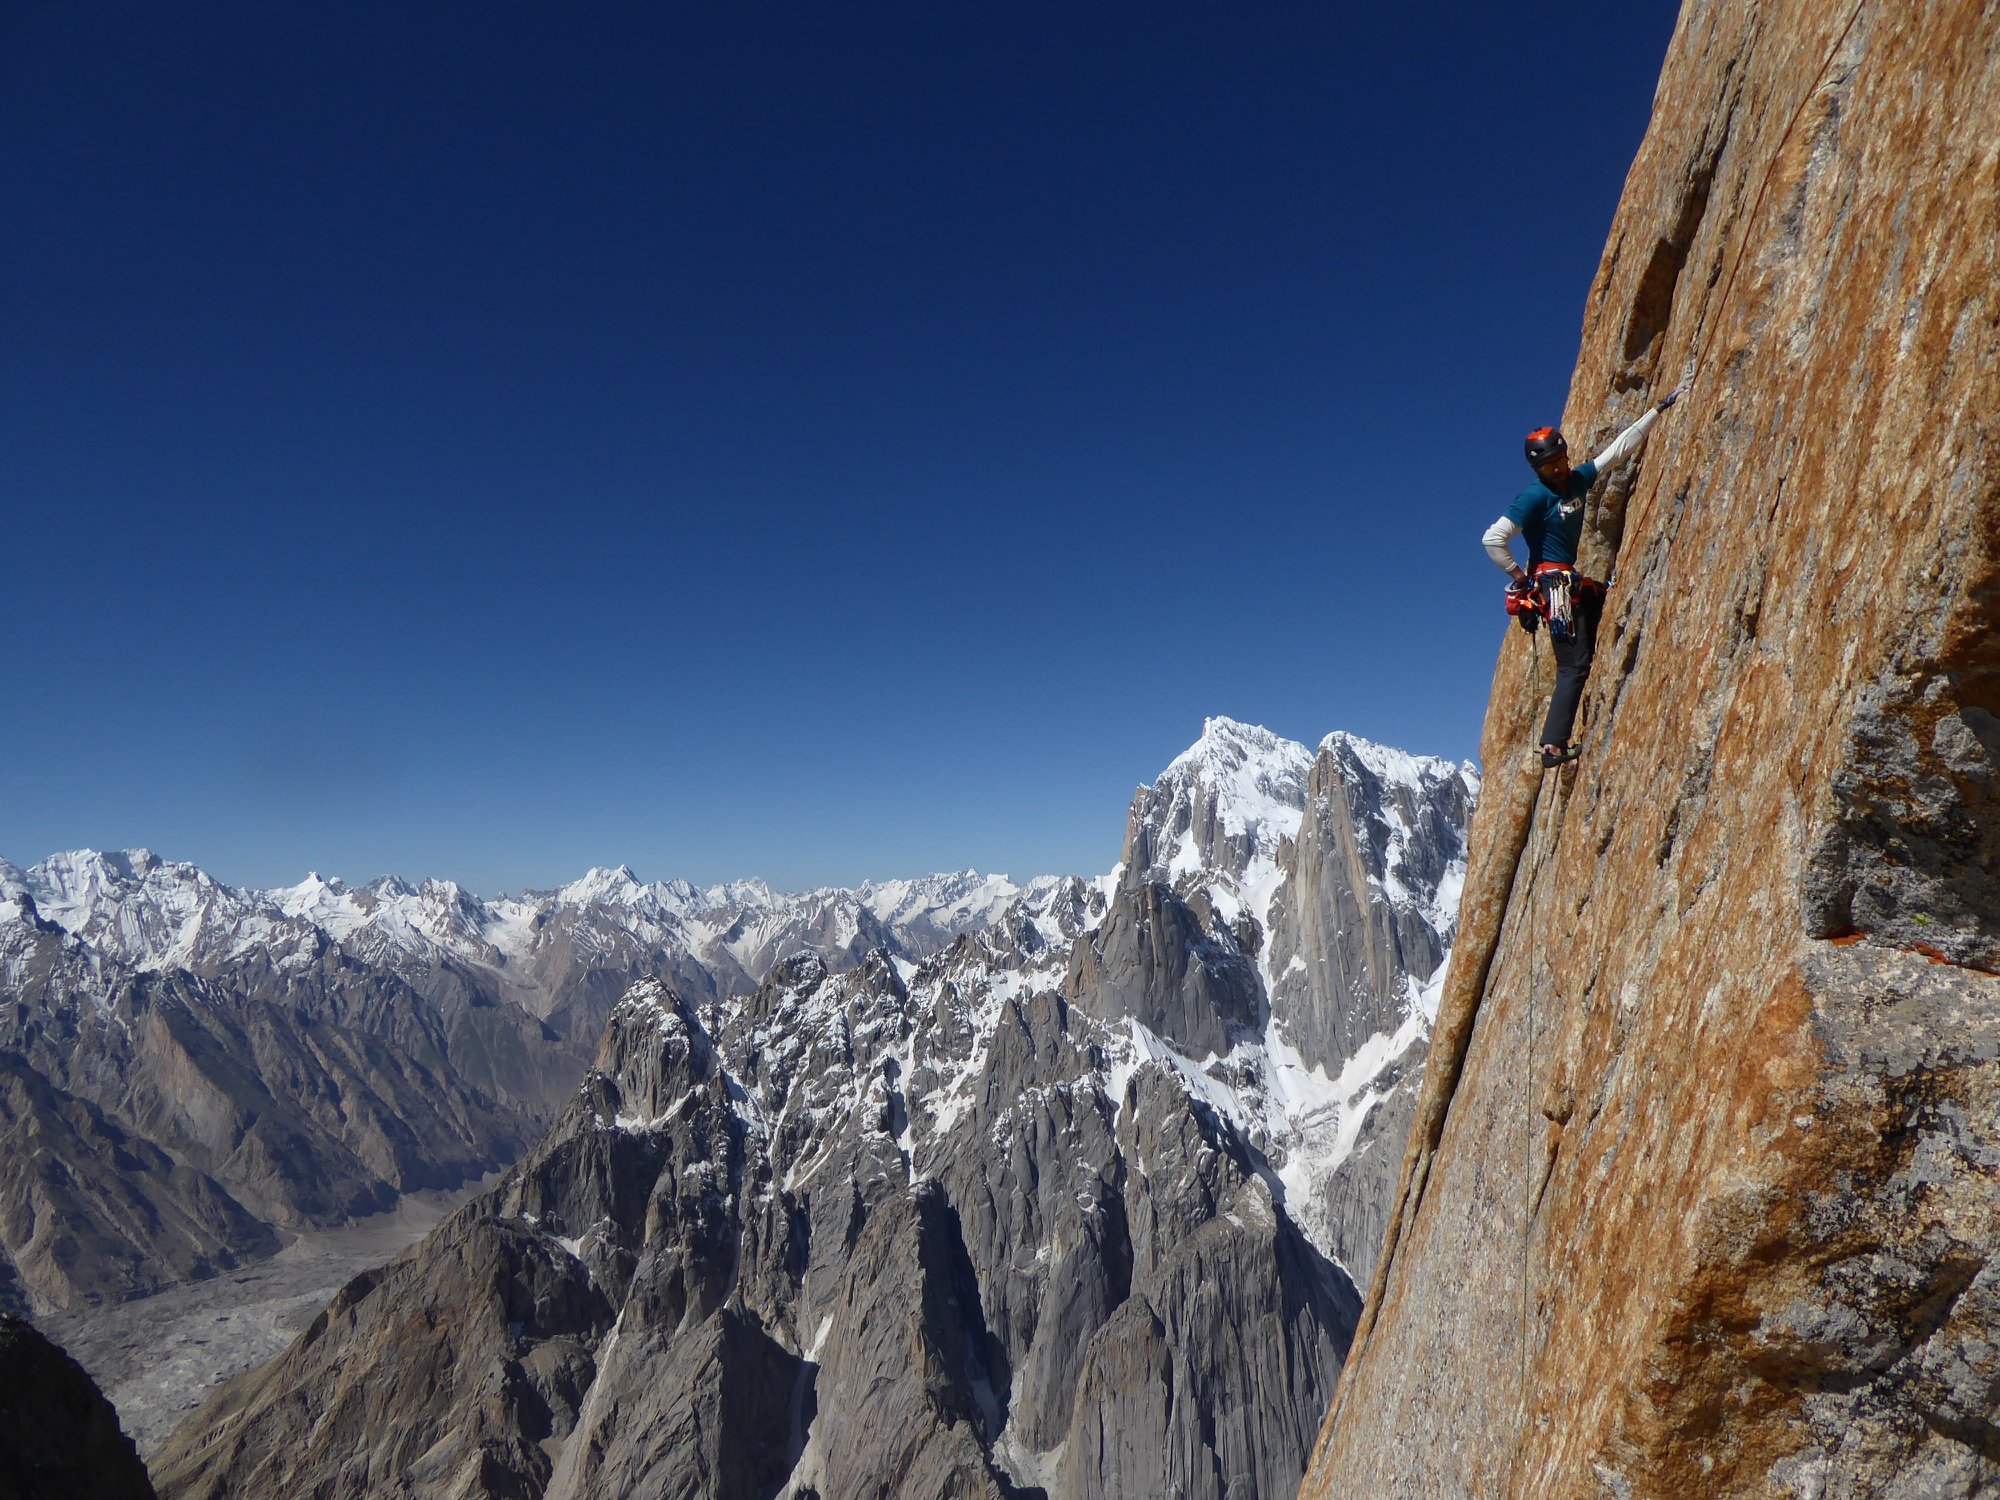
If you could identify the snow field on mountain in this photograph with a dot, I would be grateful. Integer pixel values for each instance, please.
(153, 914)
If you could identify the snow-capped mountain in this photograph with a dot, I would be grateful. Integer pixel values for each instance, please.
(1221, 810)
(1319, 891)
(153, 914)
(1066, 1208)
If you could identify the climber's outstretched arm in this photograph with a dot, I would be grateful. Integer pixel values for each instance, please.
(1633, 438)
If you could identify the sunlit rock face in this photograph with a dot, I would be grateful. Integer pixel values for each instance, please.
(1700, 1196)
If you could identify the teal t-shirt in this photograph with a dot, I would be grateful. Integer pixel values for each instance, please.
(1552, 523)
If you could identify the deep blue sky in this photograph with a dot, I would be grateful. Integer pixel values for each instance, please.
(824, 441)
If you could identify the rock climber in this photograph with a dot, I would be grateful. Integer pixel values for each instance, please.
(1550, 516)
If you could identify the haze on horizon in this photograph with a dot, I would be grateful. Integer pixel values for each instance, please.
(801, 443)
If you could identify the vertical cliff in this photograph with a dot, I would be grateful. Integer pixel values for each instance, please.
(59, 1437)
(1701, 1194)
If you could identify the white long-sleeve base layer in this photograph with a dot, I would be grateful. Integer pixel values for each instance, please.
(1615, 454)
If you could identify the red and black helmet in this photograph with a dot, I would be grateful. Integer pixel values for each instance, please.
(1544, 446)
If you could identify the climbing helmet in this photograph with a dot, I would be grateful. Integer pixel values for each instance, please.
(1545, 446)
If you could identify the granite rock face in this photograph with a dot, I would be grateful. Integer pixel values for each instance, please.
(1349, 937)
(1700, 1191)
(906, 1229)
(59, 1437)
(1174, 968)
(1359, 933)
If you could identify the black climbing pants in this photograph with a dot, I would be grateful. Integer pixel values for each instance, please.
(1573, 658)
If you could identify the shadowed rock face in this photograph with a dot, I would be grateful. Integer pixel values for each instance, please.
(1155, 959)
(1700, 1195)
(59, 1437)
(169, 1123)
(1348, 962)
(93, 1211)
(1168, 953)
(1342, 956)
(166, 1122)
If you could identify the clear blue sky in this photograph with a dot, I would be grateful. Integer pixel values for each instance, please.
(822, 441)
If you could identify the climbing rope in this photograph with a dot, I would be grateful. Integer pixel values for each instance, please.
(1542, 847)
(1698, 365)
(1538, 853)
(1528, 1146)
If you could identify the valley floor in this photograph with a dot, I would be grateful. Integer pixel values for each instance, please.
(156, 1358)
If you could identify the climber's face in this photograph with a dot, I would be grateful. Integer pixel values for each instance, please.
(1555, 473)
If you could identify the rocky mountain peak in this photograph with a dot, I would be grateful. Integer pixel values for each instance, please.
(752, 894)
(80, 878)
(1388, 765)
(1221, 806)
(615, 886)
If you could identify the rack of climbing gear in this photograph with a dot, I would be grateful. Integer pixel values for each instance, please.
(1558, 586)
(1551, 594)
(1563, 587)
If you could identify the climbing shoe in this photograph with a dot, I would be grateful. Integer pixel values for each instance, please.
(1562, 757)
